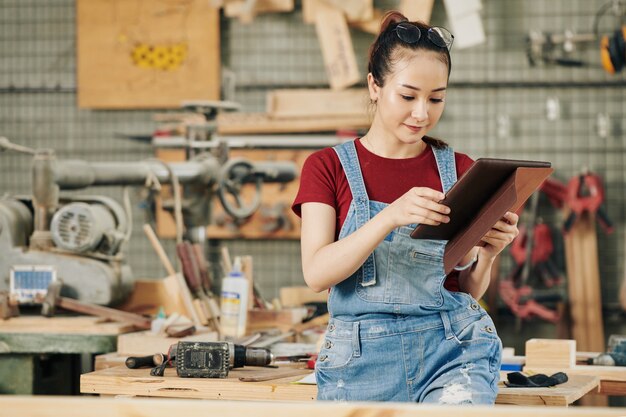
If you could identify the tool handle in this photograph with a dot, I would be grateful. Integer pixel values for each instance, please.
(203, 266)
(605, 221)
(188, 272)
(158, 248)
(569, 222)
(194, 265)
(135, 362)
(106, 312)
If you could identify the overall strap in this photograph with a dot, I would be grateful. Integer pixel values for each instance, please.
(446, 166)
(350, 163)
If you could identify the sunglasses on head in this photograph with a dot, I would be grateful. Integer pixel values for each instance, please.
(410, 33)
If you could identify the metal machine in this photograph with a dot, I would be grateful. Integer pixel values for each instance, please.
(80, 238)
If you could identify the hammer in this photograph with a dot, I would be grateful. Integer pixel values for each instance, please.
(53, 300)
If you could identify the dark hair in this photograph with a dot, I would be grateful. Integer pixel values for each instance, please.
(387, 50)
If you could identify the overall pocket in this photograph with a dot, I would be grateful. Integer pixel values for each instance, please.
(408, 271)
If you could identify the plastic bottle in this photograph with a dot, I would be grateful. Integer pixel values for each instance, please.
(234, 302)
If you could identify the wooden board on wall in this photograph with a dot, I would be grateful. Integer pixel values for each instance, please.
(138, 54)
(275, 197)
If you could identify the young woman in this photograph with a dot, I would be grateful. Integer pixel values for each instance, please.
(400, 330)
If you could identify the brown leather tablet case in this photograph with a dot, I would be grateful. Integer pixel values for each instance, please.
(489, 189)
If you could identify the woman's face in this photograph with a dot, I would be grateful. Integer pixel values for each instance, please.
(412, 99)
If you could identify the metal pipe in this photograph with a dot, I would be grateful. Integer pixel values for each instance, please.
(75, 174)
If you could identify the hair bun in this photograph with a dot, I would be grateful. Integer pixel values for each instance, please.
(390, 18)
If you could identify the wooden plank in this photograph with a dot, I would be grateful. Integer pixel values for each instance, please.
(605, 373)
(299, 295)
(109, 360)
(417, 9)
(584, 295)
(84, 325)
(371, 25)
(147, 343)
(593, 295)
(560, 395)
(283, 320)
(133, 54)
(551, 353)
(251, 123)
(122, 381)
(314, 103)
(337, 50)
(149, 296)
(275, 199)
(81, 406)
(354, 10)
(235, 8)
(616, 388)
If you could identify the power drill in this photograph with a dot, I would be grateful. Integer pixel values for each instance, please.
(212, 359)
(615, 357)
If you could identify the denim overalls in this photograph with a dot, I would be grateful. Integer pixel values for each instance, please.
(395, 333)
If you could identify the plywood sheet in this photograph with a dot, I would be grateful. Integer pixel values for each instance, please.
(146, 54)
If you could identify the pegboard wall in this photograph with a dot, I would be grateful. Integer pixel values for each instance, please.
(498, 105)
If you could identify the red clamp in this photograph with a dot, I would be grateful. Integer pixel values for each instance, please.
(585, 193)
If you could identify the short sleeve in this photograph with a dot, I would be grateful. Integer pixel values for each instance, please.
(318, 180)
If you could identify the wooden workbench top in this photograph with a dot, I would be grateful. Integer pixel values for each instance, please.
(63, 325)
(37, 334)
(138, 382)
(81, 406)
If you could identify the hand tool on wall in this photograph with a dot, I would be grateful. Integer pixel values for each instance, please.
(54, 299)
(585, 195)
(205, 279)
(191, 272)
(532, 250)
(182, 287)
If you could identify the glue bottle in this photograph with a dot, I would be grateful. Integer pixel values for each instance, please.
(234, 302)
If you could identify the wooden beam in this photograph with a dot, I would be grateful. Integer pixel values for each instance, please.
(314, 103)
(41, 406)
(417, 9)
(251, 123)
(337, 50)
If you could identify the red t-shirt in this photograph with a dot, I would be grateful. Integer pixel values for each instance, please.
(323, 180)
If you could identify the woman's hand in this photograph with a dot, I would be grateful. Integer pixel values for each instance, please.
(500, 235)
(418, 205)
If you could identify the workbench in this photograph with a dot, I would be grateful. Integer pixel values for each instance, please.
(137, 382)
(132, 407)
(43, 355)
(548, 356)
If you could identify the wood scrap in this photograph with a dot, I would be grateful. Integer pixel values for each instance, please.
(314, 103)
(251, 123)
(337, 50)
(183, 290)
(417, 9)
(249, 374)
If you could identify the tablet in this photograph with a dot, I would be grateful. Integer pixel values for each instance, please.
(471, 192)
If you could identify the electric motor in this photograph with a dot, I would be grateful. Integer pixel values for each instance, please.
(80, 227)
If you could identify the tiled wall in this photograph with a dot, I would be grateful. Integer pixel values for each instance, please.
(492, 86)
